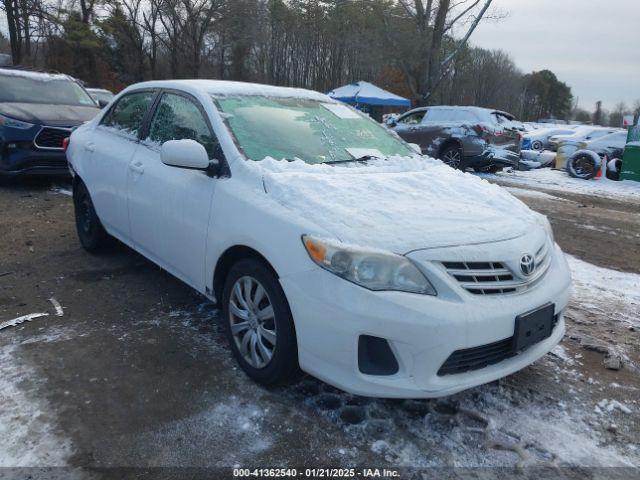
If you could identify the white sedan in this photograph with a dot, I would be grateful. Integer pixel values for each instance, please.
(330, 246)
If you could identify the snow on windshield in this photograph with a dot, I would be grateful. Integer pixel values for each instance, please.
(301, 128)
(41, 88)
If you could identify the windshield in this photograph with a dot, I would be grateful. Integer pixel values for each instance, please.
(58, 91)
(104, 96)
(315, 132)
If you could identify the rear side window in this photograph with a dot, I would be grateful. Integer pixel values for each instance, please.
(128, 113)
(440, 115)
(179, 118)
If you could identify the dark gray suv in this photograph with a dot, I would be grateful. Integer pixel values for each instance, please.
(462, 137)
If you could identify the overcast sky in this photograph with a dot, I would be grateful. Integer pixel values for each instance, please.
(592, 45)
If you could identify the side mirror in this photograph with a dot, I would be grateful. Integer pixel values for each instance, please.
(103, 103)
(392, 122)
(184, 154)
(416, 148)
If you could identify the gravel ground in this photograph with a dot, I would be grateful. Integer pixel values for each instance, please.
(136, 373)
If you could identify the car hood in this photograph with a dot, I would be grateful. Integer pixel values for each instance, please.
(400, 204)
(49, 114)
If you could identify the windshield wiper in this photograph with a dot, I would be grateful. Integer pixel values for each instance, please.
(362, 159)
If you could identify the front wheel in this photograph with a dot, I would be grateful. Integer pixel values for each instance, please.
(452, 156)
(91, 233)
(259, 324)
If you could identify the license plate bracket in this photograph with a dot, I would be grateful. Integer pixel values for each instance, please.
(533, 327)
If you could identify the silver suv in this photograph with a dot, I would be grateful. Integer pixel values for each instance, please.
(462, 137)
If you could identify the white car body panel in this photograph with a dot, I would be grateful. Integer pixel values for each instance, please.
(184, 221)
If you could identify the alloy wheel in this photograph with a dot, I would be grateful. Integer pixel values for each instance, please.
(252, 321)
(584, 166)
(452, 157)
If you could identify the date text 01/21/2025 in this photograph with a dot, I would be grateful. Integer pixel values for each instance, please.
(315, 473)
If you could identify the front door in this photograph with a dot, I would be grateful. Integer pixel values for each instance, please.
(169, 207)
(409, 128)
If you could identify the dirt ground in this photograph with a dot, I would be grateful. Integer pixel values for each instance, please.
(136, 372)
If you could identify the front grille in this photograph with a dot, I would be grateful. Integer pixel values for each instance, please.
(495, 278)
(475, 358)
(50, 138)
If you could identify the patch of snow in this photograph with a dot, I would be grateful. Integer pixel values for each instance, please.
(61, 190)
(604, 286)
(24, 318)
(43, 77)
(525, 192)
(557, 180)
(27, 433)
(611, 405)
(398, 204)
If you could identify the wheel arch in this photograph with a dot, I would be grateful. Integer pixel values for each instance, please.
(449, 142)
(230, 256)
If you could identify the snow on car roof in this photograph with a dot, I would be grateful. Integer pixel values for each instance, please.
(42, 76)
(226, 87)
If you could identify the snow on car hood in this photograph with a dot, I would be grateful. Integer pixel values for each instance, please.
(399, 204)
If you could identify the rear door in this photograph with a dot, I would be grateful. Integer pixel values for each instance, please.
(505, 134)
(436, 129)
(169, 207)
(108, 152)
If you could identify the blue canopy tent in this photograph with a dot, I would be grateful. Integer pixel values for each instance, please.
(368, 94)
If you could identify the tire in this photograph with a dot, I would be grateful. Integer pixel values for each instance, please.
(452, 156)
(91, 233)
(489, 169)
(537, 145)
(264, 345)
(583, 164)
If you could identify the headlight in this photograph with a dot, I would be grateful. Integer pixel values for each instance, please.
(375, 270)
(10, 122)
(544, 222)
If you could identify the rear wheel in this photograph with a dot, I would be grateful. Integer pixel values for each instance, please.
(259, 324)
(452, 156)
(91, 233)
(536, 145)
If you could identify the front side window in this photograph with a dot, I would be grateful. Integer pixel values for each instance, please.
(301, 128)
(26, 87)
(412, 119)
(179, 118)
(128, 113)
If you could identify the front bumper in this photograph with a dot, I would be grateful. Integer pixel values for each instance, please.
(422, 331)
(20, 156)
(490, 158)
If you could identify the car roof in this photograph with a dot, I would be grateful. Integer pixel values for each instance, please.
(103, 90)
(225, 87)
(24, 73)
(480, 110)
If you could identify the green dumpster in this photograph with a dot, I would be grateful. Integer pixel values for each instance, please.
(631, 157)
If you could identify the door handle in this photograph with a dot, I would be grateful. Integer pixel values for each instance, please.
(90, 147)
(136, 167)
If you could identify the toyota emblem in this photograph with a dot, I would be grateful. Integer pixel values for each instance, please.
(527, 264)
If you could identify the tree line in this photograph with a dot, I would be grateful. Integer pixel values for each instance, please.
(416, 48)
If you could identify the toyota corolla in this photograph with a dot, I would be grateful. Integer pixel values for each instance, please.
(330, 246)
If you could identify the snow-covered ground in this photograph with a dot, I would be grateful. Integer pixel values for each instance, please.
(560, 181)
(543, 416)
(28, 436)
